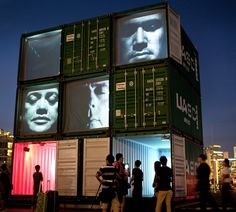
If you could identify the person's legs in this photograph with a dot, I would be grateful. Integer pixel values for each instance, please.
(168, 200)
(123, 204)
(104, 206)
(202, 198)
(160, 198)
(115, 204)
(211, 200)
(156, 194)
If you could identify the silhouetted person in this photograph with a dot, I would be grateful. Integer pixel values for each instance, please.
(203, 184)
(226, 185)
(123, 179)
(136, 181)
(107, 176)
(38, 178)
(156, 182)
(6, 183)
(165, 192)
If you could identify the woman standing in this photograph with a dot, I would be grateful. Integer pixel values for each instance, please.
(226, 185)
(155, 184)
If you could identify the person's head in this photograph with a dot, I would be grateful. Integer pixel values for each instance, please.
(142, 37)
(119, 157)
(202, 158)
(37, 168)
(137, 163)
(41, 109)
(163, 160)
(226, 162)
(4, 167)
(157, 165)
(98, 105)
(110, 159)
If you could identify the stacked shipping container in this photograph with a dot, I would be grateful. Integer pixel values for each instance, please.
(126, 82)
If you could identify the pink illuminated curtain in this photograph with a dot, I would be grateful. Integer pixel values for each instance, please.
(43, 154)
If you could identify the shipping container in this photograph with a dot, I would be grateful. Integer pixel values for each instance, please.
(87, 47)
(140, 98)
(155, 97)
(95, 152)
(185, 106)
(40, 55)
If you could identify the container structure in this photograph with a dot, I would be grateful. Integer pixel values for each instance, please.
(127, 82)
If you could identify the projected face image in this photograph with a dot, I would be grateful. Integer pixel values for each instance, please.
(142, 38)
(98, 105)
(41, 109)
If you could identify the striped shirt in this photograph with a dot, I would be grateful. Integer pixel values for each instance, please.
(108, 174)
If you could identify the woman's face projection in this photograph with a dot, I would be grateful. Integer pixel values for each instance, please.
(41, 109)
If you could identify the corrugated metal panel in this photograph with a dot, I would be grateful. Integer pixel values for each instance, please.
(154, 81)
(185, 106)
(141, 98)
(95, 152)
(179, 168)
(66, 167)
(126, 99)
(98, 44)
(192, 151)
(190, 60)
(87, 47)
(74, 57)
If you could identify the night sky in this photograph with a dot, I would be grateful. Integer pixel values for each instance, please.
(211, 25)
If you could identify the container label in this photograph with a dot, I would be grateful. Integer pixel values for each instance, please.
(118, 113)
(70, 37)
(121, 86)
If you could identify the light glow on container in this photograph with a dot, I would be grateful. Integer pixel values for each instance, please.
(24, 162)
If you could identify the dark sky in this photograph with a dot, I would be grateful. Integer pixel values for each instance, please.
(211, 25)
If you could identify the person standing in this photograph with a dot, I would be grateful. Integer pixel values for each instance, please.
(136, 180)
(165, 192)
(123, 179)
(226, 185)
(107, 176)
(38, 178)
(203, 184)
(156, 182)
(6, 183)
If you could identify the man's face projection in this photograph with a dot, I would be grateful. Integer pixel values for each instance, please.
(41, 109)
(98, 105)
(142, 38)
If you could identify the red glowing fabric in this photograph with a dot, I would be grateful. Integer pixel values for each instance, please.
(43, 154)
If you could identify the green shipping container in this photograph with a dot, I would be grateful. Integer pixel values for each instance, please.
(73, 58)
(140, 98)
(87, 47)
(185, 106)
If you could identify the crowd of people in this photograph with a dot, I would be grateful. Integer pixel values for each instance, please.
(114, 180)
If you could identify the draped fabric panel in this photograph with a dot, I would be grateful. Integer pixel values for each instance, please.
(43, 154)
(133, 151)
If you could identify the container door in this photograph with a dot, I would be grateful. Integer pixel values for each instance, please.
(126, 100)
(67, 163)
(179, 168)
(95, 152)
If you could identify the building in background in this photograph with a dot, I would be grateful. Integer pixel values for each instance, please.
(215, 158)
(226, 154)
(6, 143)
(234, 151)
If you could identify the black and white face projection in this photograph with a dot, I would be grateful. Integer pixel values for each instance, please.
(40, 109)
(87, 105)
(141, 37)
